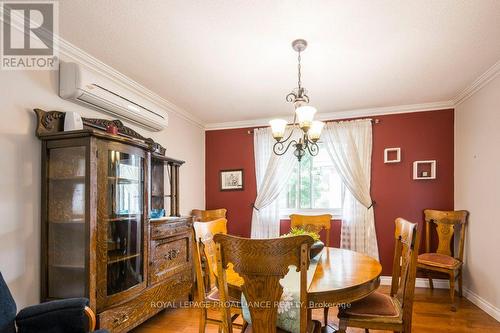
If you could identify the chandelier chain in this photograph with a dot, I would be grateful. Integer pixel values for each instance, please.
(298, 96)
(299, 72)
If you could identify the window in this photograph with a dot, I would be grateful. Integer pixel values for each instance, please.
(314, 187)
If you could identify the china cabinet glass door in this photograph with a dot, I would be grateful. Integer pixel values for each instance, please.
(66, 218)
(125, 205)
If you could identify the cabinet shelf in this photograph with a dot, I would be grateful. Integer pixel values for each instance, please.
(124, 180)
(115, 257)
(163, 218)
(68, 266)
(79, 220)
(132, 217)
(68, 179)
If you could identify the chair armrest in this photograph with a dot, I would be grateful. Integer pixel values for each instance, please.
(67, 315)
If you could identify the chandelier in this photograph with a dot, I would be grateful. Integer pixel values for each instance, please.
(303, 119)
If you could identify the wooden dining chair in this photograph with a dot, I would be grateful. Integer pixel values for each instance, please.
(314, 223)
(394, 312)
(262, 263)
(208, 215)
(205, 216)
(441, 260)
(204, 247)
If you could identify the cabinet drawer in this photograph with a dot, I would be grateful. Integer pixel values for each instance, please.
(128, 315)
(169, 256)
(161, 230)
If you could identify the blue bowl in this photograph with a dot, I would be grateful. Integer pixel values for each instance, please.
(157, 213)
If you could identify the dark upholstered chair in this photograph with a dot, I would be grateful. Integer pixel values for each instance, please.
(60, 316)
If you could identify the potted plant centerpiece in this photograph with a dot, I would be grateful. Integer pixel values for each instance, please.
(316, 247)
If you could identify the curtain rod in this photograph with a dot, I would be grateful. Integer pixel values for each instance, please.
(374, 121)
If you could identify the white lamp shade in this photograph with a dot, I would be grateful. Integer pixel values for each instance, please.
(278, 127)
(315, 130)
(305, 116)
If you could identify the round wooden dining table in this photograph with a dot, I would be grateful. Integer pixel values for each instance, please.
(341, 276)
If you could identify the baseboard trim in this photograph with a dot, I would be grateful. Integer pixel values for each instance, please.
(420, 282)
(477, 300)
(482, 303)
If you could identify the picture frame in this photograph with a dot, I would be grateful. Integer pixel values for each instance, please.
(231, 180)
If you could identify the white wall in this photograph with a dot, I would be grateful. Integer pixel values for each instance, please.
(20, 92)
(477, 189)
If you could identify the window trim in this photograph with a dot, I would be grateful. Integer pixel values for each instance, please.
(286, 212)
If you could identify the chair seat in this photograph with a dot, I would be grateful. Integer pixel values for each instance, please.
(438, 260)
(375, 305)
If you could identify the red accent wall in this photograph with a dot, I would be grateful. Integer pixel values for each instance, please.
(231, 149)
(420, 135)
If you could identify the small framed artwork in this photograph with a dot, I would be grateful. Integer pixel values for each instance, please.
(392, 155)
(231, 180)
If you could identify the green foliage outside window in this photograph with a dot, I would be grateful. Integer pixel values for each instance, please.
(314, 184)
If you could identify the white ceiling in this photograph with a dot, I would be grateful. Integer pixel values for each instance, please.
(231, 60)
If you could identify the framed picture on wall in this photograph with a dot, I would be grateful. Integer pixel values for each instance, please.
(231, 180)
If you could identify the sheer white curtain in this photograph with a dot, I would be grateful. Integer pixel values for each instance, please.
(272, 173)
(349, 144)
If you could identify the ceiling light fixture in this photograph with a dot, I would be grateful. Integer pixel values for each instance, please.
(303, 118)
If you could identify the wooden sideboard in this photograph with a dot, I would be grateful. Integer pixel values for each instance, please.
(98, 240)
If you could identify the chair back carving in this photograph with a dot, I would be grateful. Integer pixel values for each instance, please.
(314, 223)
(204, 241)
(262, 263)
(208, 215)
(446, 222)
(405, 266)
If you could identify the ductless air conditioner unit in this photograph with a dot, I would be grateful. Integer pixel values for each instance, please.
(81, 85)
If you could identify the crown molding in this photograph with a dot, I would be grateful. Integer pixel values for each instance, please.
(339, 115)
(78, 55)
(71, 51)
(466, 93)
(479, 83)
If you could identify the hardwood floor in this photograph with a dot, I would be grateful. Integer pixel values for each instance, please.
(431, 313)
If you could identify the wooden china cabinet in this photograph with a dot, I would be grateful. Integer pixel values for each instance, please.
(98, 190)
